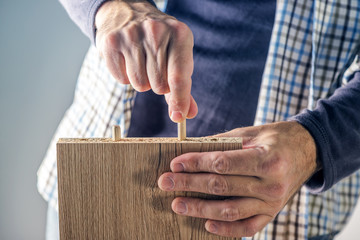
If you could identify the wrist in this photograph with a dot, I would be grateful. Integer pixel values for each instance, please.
(302, 140)
(112, 9)
(308, 145)
(120, 10)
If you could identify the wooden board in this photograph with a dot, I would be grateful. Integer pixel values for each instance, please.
(108, 190)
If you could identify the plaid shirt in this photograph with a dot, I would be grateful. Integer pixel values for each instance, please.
(312, 44)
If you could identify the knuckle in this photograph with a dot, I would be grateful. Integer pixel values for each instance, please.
(161, 89)
(276, 166)
(158, 83)
(177, 80)
(151, 25)
(130, 37)
(185, 184)
(230, 214)
(276, 190)
(154, 33)
(280, 165)
(121, 79)
(196, 164)
(130, 31)
(112, 40)
(179, 102)
(217, 185)
(199, 208)
(182, 31)
(140, 87)
(221, 163)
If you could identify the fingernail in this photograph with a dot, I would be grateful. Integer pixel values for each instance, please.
(212, 228)
(180, 207)
(177, 116)
(168, 183)
(178, 167)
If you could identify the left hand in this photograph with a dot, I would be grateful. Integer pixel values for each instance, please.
(274, 163)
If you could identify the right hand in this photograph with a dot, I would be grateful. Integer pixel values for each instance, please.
(148, 49)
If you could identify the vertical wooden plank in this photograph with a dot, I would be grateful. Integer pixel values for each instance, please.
(108, 190)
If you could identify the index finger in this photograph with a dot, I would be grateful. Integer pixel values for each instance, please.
(246, 162)
(180, 68)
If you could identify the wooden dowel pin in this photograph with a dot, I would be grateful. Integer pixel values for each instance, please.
(116, 133)
(182, 130)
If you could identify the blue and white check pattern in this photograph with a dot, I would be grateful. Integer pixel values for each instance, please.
(311, 45)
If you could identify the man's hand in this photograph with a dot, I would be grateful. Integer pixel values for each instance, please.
(149, 50)
(260, 179)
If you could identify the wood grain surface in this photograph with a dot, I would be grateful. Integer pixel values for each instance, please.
(108, 190)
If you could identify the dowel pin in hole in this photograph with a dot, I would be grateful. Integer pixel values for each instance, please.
(182, 130)
(116, 133)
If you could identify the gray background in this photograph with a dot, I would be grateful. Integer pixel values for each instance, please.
(41, 52)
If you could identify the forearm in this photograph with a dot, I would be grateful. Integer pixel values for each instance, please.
(335, 126)
(83, 13)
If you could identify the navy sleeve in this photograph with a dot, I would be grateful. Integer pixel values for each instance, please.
(335, 127)
(83, 12)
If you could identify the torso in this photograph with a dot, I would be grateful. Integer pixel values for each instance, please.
(231, 44)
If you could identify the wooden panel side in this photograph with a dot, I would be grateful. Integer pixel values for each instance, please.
(109, 191)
